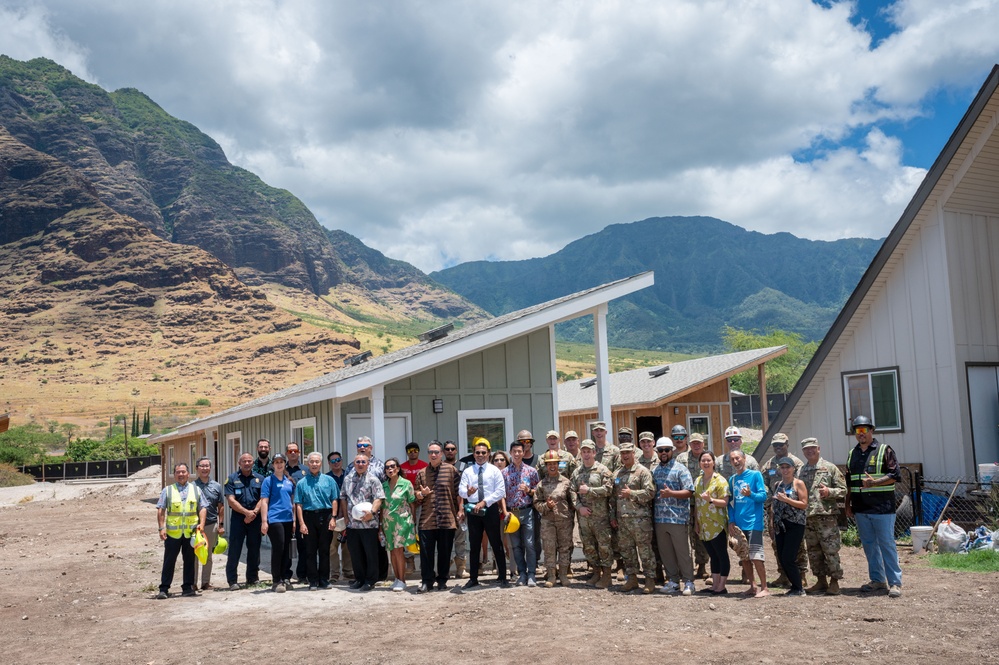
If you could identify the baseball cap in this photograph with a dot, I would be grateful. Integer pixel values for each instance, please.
(779, 437)
(600, 425)
(697, 436)
(785, 460)
(625, 430)
(552, 433)
(646, 435)
(587, 443)
(627, 446)
(809, 442)
(571, 434)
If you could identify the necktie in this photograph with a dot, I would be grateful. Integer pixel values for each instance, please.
(482, 491)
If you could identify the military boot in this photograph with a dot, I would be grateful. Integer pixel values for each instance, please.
(459, 567)
(563, 575)
(650, 584)
(551, 577)
(820, 585)
(833, 588)
(701, 572)
(605, 578)
(631, 584)
(598, 573)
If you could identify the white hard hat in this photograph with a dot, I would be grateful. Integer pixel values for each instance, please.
(664, 442)
(357, 512)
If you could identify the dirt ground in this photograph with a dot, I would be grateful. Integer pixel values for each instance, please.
(80, 566)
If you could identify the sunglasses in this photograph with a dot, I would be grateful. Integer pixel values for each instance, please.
(335, 460)
(450, 450)
(433, 452)
(481, 452)
(679, 436)
(861, 430)
(364, 445)
(388, 467)
(734, 438)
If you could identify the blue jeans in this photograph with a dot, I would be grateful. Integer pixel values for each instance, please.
(877, 535)
(522, 542)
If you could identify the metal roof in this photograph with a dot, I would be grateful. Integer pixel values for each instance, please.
(404, 362)
(637, 387)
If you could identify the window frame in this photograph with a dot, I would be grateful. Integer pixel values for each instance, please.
(301, 424)
(492, 414)
(869, 373)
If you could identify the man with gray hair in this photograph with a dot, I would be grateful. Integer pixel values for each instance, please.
(375, 465)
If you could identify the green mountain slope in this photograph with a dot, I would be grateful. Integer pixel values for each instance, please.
(709, 273)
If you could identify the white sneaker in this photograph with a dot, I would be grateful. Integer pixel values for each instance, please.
(531, 583)
(400, 585)
(688, 588)
(670, 587)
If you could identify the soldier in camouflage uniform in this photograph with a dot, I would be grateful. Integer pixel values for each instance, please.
(689, 458)
(826, 484)
(771, 476)
(566, 462)
(610, 456)
(555, 500)
(571, 443)
(650, 460)
(634, 490)
(593, 484)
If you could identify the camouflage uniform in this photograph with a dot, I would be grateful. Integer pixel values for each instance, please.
(771, 476)
(566, 466)
(556, 523)
(595, 530)
(634, 518)
(610, 456)
(701, 557)
(723, 465)
(822, 537)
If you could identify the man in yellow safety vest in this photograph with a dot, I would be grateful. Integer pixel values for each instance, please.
(180, 511)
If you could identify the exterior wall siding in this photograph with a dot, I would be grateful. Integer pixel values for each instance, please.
(906, 323)
(514, 375)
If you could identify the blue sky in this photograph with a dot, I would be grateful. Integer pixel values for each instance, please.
(451, 131)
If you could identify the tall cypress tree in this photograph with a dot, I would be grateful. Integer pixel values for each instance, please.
(145, 422)
(135, 422)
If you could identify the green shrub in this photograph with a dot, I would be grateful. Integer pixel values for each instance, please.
(202, 401)
(850, 537)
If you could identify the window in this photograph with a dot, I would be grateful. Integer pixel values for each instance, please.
(874, 394)
(232, 440)
(303, 432)
(495, 425)
(701, 424)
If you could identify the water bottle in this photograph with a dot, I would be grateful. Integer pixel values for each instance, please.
(381, 539)
(464, 525)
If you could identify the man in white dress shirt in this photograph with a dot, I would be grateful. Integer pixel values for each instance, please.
(482, 487)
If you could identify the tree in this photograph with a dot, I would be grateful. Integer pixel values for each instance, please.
(783, 372)
(146, 424)
(135, 423)
(68, 430)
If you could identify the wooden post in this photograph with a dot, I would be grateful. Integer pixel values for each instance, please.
(761, 371)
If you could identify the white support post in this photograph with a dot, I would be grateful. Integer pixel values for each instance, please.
(604, 406)
(337, 443)
(378, 421)
(551, 341)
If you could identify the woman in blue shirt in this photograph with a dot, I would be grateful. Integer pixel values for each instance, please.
(278, 520)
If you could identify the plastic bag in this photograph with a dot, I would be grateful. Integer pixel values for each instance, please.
(950, 537)
(979, 539)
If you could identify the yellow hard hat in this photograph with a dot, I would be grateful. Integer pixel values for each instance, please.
(414, 548)
(221, 546)
(482, 441)
(200, 546)
(511, 524)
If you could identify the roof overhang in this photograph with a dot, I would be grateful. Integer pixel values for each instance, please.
(359, 385)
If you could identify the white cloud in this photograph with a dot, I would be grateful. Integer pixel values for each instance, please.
(451, 131)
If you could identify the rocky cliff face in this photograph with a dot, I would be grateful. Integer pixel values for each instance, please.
(176, 181)
(99, 309)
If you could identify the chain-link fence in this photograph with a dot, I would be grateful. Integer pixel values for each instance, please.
(920, 501)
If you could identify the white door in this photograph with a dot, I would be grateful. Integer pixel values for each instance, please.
(398, 433)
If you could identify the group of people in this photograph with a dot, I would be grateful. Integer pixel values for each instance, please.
(657, 510)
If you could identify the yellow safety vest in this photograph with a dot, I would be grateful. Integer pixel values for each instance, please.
(182, 515)
(875, 464)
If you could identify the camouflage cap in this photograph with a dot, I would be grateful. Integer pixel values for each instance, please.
(627, 447)
(552, 433)
(697, 436)
(587, 443)
(599, 425)
(626, 430)
(646, 435)
(779, 437)
(809, 442)
(571, 434)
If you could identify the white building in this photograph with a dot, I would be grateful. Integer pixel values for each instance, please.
(916, 346)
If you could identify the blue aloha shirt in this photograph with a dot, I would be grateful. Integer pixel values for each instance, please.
(675, 477)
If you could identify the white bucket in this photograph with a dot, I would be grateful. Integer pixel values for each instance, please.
(920, 537)
(988, 474)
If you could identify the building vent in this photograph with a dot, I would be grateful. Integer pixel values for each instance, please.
(588, 383)
(437, 333)
(653, 373)
(356, 360)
